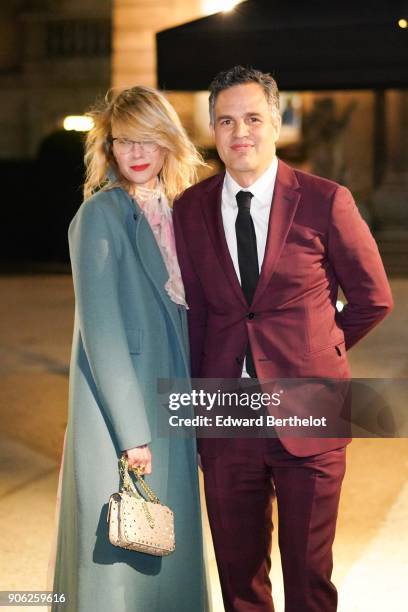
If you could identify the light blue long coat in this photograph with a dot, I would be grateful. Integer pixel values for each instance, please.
(127, 334)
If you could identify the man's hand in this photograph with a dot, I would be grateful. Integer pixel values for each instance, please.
(140, 457)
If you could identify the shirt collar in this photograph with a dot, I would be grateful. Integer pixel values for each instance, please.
(262, 188)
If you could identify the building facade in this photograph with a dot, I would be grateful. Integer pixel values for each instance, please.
(55, 58)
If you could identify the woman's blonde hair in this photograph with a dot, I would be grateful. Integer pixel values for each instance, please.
(147, 113)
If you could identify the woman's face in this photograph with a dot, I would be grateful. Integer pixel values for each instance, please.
(138, 161)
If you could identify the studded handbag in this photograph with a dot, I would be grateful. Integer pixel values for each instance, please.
(139, 522)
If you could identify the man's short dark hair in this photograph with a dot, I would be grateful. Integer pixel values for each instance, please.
(239, 75)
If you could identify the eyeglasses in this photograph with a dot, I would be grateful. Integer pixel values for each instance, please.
(125, 145)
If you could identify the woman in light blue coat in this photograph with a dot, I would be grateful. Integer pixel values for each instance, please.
(130, 329)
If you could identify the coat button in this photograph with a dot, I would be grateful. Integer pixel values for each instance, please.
(135, 216)
(251, 315)
(239, 360)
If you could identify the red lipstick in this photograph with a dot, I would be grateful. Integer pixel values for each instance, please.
(140, 168)
(241, 147)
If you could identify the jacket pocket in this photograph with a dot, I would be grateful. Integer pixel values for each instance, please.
(135, 340)
(338, 347)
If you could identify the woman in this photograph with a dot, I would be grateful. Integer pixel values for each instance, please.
(130, 330)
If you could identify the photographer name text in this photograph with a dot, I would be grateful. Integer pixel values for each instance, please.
(260, 421)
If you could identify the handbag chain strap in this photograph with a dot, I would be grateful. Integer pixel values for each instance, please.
(128, 485)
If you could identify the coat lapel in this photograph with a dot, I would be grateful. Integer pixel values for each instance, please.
(211, 206)
(149, 253)
(155, 268)
(284, 204)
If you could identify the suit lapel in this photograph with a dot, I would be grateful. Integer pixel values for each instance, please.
(284, 204)
(211, 207)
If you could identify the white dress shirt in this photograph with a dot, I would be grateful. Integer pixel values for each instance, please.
(262, 191)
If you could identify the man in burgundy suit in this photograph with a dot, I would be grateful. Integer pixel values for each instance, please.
(263, 249)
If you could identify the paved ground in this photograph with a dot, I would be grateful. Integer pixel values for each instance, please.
(36, 325)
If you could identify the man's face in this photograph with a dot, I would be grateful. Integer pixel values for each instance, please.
(245, 130)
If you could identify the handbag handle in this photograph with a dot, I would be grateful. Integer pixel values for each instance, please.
(127, 482)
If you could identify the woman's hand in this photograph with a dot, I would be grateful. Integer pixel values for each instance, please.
(140, 457)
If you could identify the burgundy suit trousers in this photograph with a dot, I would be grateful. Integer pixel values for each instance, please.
(241, 481)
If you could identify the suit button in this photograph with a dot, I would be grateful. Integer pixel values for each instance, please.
(135, 217)
(239, 360)
(251, 315)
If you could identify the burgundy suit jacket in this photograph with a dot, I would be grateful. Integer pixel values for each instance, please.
(317, 241)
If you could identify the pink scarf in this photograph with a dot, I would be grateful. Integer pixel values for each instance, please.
(157, 211)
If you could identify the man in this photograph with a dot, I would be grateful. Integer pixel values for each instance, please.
(263, 249)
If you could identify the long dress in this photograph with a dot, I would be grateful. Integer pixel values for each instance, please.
(127, 334)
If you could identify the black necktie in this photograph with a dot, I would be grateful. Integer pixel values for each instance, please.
(247, 257)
